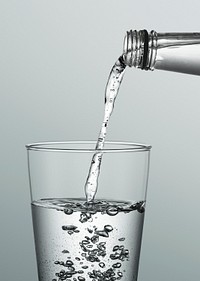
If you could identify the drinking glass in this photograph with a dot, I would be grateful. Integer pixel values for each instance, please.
(80, 241)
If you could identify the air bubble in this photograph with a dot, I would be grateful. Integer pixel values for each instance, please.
(78, 205)
(115, 248)
(95, 239)
(80, 278)
(65, 252)
(101, 233)
(89, 230)
(113, 257)
(121, 239)
(108, 228)
(93, 252)
(120, 274)
(88, 215)
(117, 265)
(68, 274)
(69, 227)
(117, 255)
(102, 264)
(71, 268)
(84, 266)
(68, 211)
(126, 252)
(83, 248)
(91, 275)
(84, 242)
(112, 211)
(84, 217)
(69, 263)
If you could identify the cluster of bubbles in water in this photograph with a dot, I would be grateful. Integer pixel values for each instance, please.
(93, 253)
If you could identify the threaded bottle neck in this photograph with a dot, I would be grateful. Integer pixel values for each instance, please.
(140, 49)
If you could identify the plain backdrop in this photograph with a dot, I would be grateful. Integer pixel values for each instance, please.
(55, 57)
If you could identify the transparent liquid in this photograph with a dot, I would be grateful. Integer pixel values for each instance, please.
(112, 89)
(77, 242)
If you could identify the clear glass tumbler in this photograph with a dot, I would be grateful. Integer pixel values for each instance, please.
(76, 241)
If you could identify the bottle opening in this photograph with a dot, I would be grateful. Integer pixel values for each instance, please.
(140, 49)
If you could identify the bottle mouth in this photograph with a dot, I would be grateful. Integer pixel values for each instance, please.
(136, 48)
(139, 49)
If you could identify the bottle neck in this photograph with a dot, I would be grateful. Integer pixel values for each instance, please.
(140, 48)
(179, 52)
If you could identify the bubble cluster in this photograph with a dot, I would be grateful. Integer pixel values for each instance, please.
(92, 248)
(107, 275)
(104, 232)
(69, 272)
(119, 253)
(84, 217)
(94, 251)
(94, 261)
(87, 210)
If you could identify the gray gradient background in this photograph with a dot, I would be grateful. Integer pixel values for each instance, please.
(54, 54)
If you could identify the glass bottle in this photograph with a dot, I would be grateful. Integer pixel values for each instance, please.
(179, 52)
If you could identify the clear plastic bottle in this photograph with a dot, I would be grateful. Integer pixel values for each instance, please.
(179, 52)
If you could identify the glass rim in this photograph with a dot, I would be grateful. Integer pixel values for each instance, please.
(123, 146)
